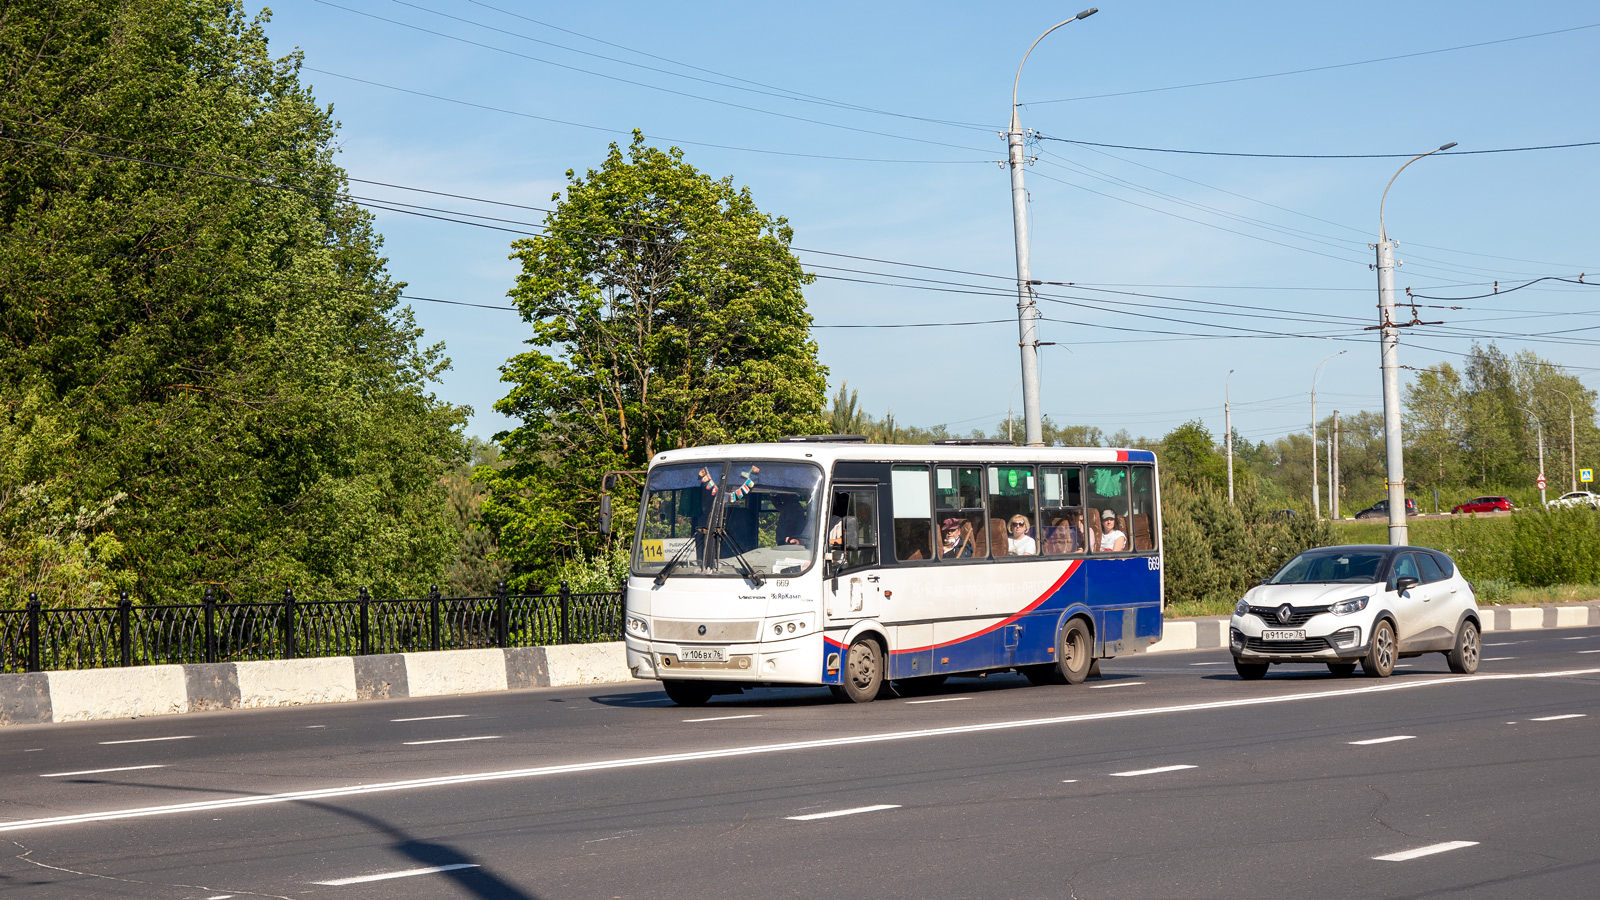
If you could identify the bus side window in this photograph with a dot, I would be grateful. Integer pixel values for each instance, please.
(913, 528)
(1108, 509)
(961, 514)
(1013, 523)
(1146, 522)
(1061, 526)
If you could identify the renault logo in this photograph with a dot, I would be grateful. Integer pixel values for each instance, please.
(702, 629)
(1285, 613)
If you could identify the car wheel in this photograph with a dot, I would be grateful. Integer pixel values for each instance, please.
(688, 693)
(1379, 661)
(1249, 671)
(863, 671)
(1464, 658)
(1342, 669)
(1075, 654)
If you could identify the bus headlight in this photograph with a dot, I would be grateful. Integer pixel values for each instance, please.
(638, 627)
(793, 626)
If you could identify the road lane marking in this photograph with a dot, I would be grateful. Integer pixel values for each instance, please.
(1402, 665)
(1496, 658)
(431, 718)
(843, 812)
(1589, 651)
(176, 737)
(939, 700)
(1384, 740)
(726, 718)
(1208, 664)
(1069, 781)
(760, 749)
(484, 737)
(1156, 771)
(100, 771)
(1429, 850)
(1558, 718)
(1580, 637)
(316, 726)
(385, 876)
(1095, 687)
(1506, 643)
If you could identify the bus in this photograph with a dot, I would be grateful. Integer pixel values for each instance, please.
(826, 560)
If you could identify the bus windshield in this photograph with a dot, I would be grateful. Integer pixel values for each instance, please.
(707, 515)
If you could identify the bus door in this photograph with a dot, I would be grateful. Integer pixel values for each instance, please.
(856, 591)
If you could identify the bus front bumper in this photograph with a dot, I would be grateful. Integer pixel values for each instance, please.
(795, 661)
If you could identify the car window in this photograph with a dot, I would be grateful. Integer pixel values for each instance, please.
(1445, 564)
(1430, 568)
(1405, 566)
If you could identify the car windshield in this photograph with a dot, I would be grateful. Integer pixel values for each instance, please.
(729, 518)
(1325, 567)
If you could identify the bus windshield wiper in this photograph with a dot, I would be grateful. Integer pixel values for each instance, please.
(745, 568)
(661, 576)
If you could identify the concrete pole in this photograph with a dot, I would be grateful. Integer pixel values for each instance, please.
(1027, 307)
(1540, 425)
(1333, 469)
(1227, 426)
(1572, 436)
(1316, 496)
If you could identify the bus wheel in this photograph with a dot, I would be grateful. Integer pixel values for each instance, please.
(1076, 653)
(863, 671)
(687, 693)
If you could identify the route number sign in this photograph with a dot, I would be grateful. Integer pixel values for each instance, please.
(1585, 475)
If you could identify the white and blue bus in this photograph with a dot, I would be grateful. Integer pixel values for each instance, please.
(829, 561)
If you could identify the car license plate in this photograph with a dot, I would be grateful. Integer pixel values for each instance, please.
(703, 654)
(1283, 634)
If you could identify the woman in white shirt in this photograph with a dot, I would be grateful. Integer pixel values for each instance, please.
(1018, 541)
(1111, 540)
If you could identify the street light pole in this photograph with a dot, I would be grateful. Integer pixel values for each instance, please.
(1316, 494)
(1027, 309)
(1227, 426)
(1389, 344)
(1572, 436)
(1535, 417)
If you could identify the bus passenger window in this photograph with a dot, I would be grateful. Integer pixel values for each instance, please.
(1146, 524)
(1013, 525)
(1108, 509)
(913, 516)
(1061, 527)
(959, 508)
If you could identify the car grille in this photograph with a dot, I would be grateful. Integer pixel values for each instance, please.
(715, 632)
(1301, 615)
(1309, 645)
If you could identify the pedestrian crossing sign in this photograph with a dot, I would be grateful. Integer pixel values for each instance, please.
(1585, 475)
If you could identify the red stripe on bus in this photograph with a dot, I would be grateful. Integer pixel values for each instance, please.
(1071, 568)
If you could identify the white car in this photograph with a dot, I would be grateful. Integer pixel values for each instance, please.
(1371, 604)
(1575, 498)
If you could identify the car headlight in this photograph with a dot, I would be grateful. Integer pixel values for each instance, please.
(1242, 607)
(1346, 607)
(637, 626)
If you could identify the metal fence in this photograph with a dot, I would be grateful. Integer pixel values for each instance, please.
(35, 639)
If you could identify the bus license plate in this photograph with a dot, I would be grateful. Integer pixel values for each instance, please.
(1273, 634)
(703, 654)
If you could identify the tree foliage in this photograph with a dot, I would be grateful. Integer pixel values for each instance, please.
(667, 312)
(200, 338)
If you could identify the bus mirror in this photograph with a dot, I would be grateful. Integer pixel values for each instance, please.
(852, 535)
(605, 513)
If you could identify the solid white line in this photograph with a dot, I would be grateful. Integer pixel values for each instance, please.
(1496, 658)
(1095, 687)
(843, 812)
(757, 749)
(726, 718)
(1384, 740)
(939, 700)
(431, 718)
(1426, 851)
(1558, 718)
(176, 737)
(385, 876)
(486, 737)
(98, 771)
(1156, 771)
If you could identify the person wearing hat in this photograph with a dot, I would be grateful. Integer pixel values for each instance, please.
(1018, 541)
(1111, 539)
(957, 538)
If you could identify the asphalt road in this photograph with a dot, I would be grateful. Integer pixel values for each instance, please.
(1167, 777)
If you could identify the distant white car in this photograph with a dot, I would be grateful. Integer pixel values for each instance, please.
(1575, 498)
(1368, 604)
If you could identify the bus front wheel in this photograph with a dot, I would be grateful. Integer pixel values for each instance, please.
(1076, 653)
(863, 672)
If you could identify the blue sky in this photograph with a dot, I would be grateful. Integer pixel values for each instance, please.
(874, 128)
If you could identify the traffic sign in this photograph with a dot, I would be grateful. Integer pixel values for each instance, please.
(1585, 475)
(1540, 481)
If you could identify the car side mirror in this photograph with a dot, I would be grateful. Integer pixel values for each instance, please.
(852, 537)
(1405, 583)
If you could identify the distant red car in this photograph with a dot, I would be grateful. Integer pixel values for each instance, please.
(1483, 504)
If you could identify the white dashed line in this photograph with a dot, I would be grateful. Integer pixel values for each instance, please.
(726, 718)
(1506, 643)
(1496, 658)
(1095, 687)
(1208, 664)
(1155, 771)
(843, 812)
(1384, 740)
(486, 737)
(939, 700)
(1429, 850)
(100, 771)
(1069, 781)
(1580, 637)
(431, 718)
(316, 726)
(176, 737)
(1402, 665)
(1558, 718)
(1589, 651)
(385, 876)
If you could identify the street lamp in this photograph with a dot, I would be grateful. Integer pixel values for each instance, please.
(1316, 494)
(1389, 350)
(1227, 427)
(1572, 436)
(1534, 416)
(1027, 309)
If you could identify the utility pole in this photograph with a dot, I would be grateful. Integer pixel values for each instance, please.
(1227, 426)
(1316, 495)
(1027, 307)
(1534, 416)
(1333, 469)
(1389, 353)
(1572, 436)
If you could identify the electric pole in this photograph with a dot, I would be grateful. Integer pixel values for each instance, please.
(1333, 469)
(1227, 425)
(1316, 495)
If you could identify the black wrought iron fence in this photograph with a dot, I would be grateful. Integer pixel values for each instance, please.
(36, 639)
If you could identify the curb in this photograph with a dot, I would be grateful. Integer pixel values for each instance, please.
(1211, 632)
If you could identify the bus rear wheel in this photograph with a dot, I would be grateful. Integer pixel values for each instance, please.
(1076, 653)
(863, 671)
(688, 693)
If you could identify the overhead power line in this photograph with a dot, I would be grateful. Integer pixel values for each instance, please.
(1045, 137)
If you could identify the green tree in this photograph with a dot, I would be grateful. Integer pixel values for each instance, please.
(204, 321)
(1190, 454)
(667, 312)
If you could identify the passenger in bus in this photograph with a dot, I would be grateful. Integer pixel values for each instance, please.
(1112, 540)
(1018, 541)
(1063, 535)
(956, 537)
